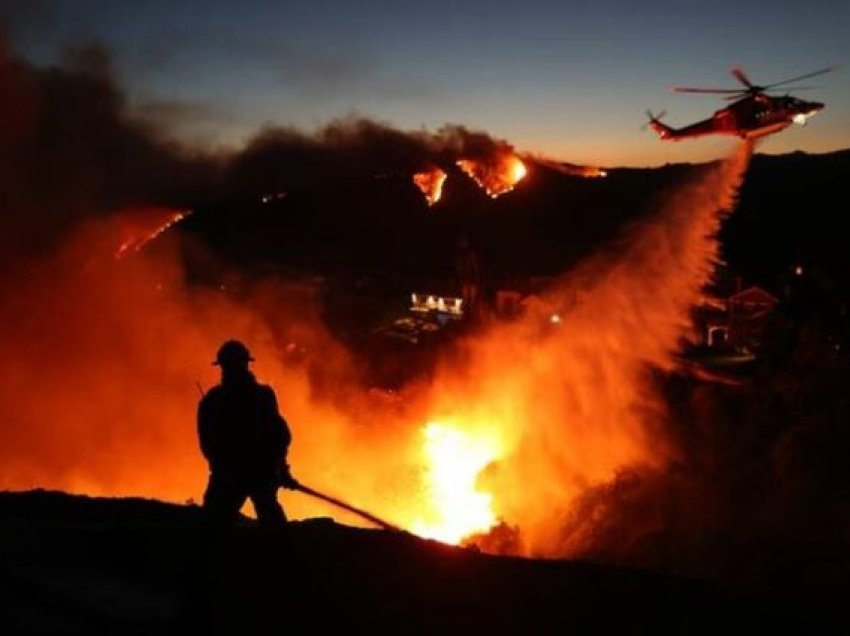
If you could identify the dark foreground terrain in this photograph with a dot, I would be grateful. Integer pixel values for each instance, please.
(71, 564)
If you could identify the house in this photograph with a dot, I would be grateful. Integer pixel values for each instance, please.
(737, 322)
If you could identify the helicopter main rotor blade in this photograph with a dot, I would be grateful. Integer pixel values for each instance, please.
(788, 89)
(800, 77)
(685, 89)
(739, 75)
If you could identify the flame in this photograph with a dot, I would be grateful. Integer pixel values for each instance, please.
(570, 169)
(454, 459)
(592, 172)
(431, 183)
(497, 175)
(143, 226)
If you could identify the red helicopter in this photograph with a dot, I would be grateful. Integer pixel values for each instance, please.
(754, 114)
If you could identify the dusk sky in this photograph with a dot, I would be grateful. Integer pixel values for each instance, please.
(567, 79)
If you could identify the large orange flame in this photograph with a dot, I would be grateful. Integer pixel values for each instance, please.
(454, 459)
(431, 183)
(495, 175)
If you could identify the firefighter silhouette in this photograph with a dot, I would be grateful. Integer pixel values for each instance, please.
(245, 440)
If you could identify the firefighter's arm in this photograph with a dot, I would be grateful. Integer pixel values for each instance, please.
(281, 436)
(205, 433)
(282, 439)
(286, 479)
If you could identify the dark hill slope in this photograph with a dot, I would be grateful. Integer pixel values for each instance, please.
(73, 564)
(792, 210)
(791, 206)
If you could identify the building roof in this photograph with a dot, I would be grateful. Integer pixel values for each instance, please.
(755, 295)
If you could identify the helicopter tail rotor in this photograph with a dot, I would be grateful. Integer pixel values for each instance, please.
(653, 118)
(664, 131)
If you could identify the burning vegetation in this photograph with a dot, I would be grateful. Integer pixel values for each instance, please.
(453, 461)
(431, 183)
(495, 175)
(145, 225)
(571, 169)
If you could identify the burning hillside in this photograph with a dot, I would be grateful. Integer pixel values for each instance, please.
(284, 160)
(142, 226)
(556, 410)
(571, 169)
(496, 175)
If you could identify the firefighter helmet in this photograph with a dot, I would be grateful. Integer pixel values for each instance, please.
(232, 352)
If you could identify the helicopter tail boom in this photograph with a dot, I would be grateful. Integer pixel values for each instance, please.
(699, 129)
(664, 131)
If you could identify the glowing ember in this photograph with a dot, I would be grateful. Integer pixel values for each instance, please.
(496, 176)
(458, 508)
(142, 231)
(431, 183)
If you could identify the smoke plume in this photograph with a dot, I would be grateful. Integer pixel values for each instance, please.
(69, 152)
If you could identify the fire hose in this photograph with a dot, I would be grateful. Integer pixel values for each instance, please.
(341, 504)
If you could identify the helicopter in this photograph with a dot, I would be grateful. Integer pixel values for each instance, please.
(753, 113)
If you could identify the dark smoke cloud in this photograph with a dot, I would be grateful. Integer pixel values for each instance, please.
(74, 148)
(282, 158)
(173, 113)
(69, 151)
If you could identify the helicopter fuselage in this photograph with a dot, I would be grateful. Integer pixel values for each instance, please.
(753, 114)
(749, 118)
